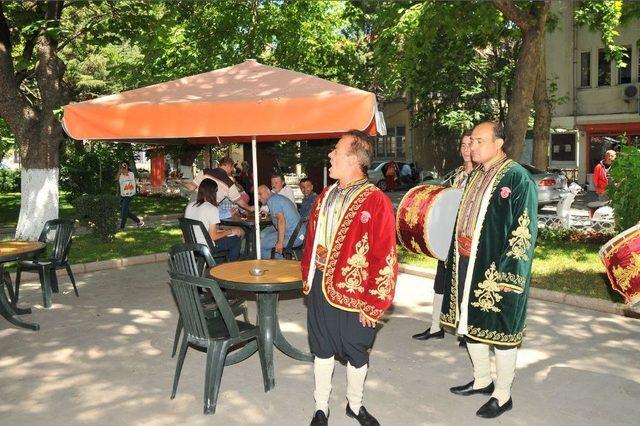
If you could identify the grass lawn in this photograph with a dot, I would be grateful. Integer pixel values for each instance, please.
(561, 266)
(131, 242)
(148, 205)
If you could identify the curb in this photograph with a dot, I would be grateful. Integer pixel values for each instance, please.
(583, 302)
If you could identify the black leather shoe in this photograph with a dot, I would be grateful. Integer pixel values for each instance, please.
(491, 408)
(319, 419)
(463, 343)
(363, 416)
(466, 390)
(427, 334)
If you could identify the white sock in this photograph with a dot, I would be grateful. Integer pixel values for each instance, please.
(355, 386)
(505, 373)
(323, 372)
(435, 314)
(479, 353)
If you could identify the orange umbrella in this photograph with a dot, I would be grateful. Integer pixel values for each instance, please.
(231, 104)
(242, 103)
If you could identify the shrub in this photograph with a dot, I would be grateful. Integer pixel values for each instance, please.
(9, 180)
(101, 212)
(624, 193)
(589, 236)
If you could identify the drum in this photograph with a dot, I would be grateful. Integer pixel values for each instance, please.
(621, 258)
(426, 218)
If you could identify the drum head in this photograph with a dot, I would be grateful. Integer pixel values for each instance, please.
(441, 222)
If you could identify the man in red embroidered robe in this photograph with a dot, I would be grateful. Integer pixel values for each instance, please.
(349, 271)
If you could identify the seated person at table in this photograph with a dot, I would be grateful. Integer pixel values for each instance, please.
(205, 209)
(306, 186)
(228, 193)
(279, 187)
(285, 218)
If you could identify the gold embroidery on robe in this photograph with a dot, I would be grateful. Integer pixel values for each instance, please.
(625, 275)
(355, 273)
(521, 241)
(488, 291)
(384, 282)
(494, 336)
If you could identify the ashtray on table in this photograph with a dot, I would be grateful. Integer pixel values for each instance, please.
(256, 272)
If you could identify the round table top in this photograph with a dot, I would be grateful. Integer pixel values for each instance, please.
(279, 275)
(11, 250)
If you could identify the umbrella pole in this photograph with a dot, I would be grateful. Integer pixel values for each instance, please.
(256, 209)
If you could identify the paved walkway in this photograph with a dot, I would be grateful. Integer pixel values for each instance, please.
(104, 359)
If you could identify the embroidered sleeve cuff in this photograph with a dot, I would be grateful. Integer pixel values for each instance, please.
(515, 288)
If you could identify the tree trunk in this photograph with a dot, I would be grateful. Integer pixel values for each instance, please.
(532, 24)
(542, 125)
(524, 82)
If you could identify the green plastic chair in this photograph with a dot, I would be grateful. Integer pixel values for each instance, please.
(57, 259)
(183, 259)
(217, 335)
(294, 245)
(188, 228)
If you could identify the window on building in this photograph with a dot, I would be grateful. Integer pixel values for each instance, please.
(585, 69)
(563, 147)
(399, 141)
(624, 74)
(390, 146)
(380, 146)
(604, 69)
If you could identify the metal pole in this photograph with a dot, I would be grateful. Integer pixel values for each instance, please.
(324, 175)
(256, 208)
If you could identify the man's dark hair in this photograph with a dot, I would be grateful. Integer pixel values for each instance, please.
(207, 191)
(305, 180)
(226, 161)
(278, 175)
(361, 147)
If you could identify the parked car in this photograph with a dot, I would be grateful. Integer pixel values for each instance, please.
(377, 173)
(552, 186)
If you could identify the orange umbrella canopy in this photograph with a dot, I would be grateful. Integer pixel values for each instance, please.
(229, 104)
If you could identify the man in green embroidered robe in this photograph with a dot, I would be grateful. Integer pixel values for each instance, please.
(486, 294)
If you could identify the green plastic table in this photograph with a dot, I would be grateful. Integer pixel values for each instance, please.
(11, 251)
(280, 275)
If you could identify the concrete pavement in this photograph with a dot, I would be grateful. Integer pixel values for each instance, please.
(104, 359)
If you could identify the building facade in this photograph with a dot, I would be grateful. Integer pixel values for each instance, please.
(598, 105)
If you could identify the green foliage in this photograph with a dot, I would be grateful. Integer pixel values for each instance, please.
(93, 171)
(625, 196)
(9, 180)
(587, 236)
(7, 140)
(455, 60)
(100, 212)
(603, 15)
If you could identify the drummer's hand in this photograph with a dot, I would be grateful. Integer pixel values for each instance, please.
(366, 322)
(279, 247)
(506, 289)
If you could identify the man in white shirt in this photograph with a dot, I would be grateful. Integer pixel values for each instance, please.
(228, 192)
(279, 187)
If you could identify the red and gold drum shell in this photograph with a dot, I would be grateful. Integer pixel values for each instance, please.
(425, 219)
(621, 258)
